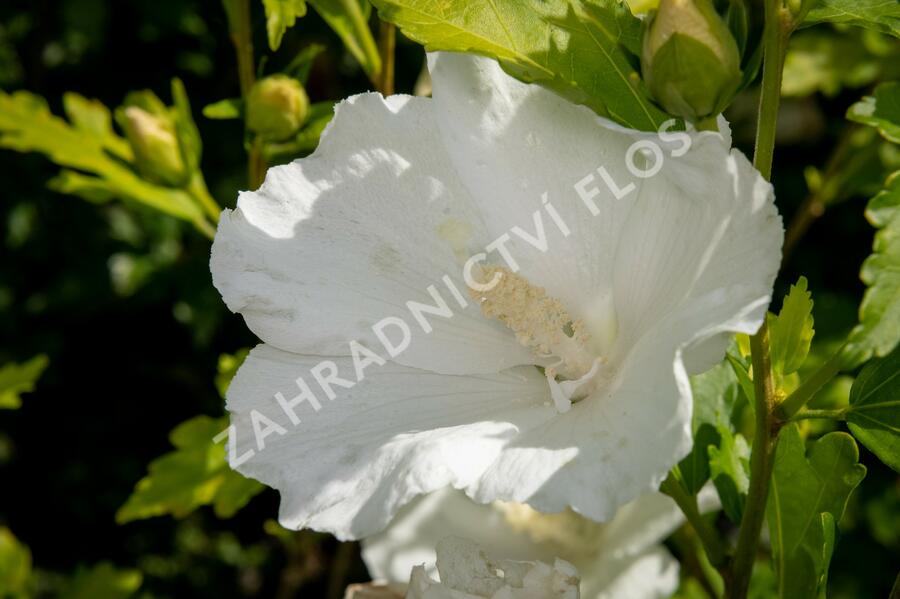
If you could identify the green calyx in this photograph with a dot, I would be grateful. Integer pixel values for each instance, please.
(690, 60)
(155, 144)
(276, 107)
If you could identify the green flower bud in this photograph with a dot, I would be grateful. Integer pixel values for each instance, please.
(155, 146)
(276, 107)
(690, 60)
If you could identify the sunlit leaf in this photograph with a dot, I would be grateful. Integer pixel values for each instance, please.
(16, 379)
(791, 332)
(881, 15)
(94, 154)
(827, 61)
(193, 475)
(196, 473)
(582, 50)
(880, 110)
(281, 16)
(350, 21)
(806, 501)
(879, 314)
(102, 580)
(879, 329)
(874, 414)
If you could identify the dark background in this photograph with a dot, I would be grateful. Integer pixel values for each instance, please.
(128, 364)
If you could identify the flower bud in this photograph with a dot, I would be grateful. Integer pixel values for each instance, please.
(276, 107)
(155, 145)
(690, 60)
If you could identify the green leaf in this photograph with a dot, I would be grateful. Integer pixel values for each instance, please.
(742, 372)
(98, 158)
(581, 50)
(729, 466)
(102, 580)
(185, 127)
(828, 61)
(715, 393)
(350, 21)
(874, 413)
(880, 110)
(808, 496)
(880, 15)
(228, 367)
(878, 331)
(16, 379)
(791, 332)
(230, 108)
(194, 474)
(281, 16)
(15, 566)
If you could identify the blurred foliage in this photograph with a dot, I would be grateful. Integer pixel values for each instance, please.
(16, 379)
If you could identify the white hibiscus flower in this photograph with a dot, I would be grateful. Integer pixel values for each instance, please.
(621, 558)
(382, 377)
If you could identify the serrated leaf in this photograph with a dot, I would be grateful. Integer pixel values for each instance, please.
(880, 15)
(281, 16)
(874, 413)
(349, 19)
(193, 475)
(729, 466)
(581, 50)
(807, 499)
(880, 110)
(715, 393)
(15, 565)
(878, 331)
(16, 379)
(791, 332)
(27, 125)
(102, 580)
(196, 473)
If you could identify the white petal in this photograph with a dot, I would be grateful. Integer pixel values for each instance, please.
(650, 575)
(705, 221)
(333, 243)
(348, 467)
(513, 142)
(629, 563)
(418, 527)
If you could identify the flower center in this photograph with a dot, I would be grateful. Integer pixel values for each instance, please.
(541, 323)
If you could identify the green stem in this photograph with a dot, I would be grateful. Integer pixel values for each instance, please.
(256, 163)
(242, 38)
(387, 43)
(775, 36)
(715, 550)
(198, 190)
(808, 389)
(838, 414)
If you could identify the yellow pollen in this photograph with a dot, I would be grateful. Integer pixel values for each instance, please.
(540, 322)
